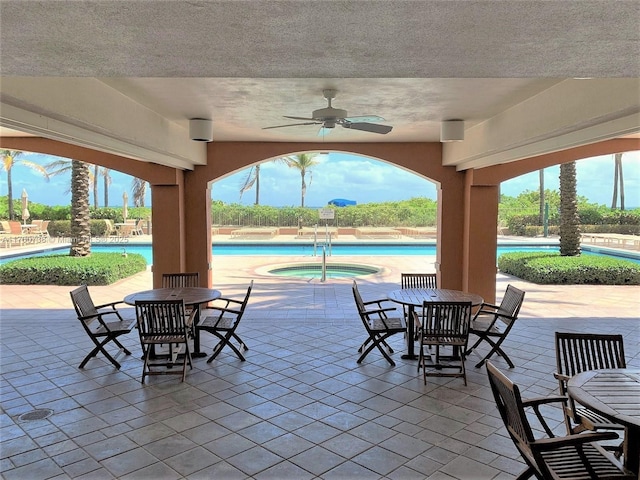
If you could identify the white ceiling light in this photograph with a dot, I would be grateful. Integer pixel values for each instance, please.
(452, 131)
(201, 130)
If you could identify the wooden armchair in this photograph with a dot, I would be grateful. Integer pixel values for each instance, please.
(164, 322)
(222, 321)
(93, 319)
(417, 280)
(492, 323)
(575, 353)
(574, 457)
(378, 324)
(444, 324)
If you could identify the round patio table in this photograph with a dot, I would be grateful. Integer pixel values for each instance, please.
(192, 296)
(614, 393)
(416, 297)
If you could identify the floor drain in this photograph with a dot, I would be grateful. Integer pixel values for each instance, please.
(39, 414)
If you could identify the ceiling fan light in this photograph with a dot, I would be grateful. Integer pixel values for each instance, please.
(452, 131)
(201, 130)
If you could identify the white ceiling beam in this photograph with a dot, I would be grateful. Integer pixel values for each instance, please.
(570, 113)
(89, 113)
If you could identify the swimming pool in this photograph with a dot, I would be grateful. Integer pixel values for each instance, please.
(307, 250)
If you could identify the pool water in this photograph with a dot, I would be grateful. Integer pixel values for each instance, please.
(314, 270)
(306, 250)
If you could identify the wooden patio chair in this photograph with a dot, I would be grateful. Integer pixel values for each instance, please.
(492, 323)
(445, 324)
(575, 353)
(417, 280)
(223, 323)
(574, 457)
(100, 330)
(177, 280)
(378, 324)
(163, 322)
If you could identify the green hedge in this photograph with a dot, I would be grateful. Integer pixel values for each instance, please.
(552, 269)
(95, 269)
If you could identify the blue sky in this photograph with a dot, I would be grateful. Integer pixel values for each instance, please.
(337, 175)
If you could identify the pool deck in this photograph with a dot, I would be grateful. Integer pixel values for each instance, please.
(299, 407)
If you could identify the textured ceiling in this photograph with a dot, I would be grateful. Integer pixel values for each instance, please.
(245, 64)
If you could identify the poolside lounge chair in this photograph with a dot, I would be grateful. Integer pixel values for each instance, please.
(254, 233)
(377, 232)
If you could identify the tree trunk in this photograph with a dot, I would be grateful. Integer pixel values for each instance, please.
(96, 171)
(10, 195)
(621, 179)
(569, 220)
(614, 199)
(80, 217)
(303, 188)
(541, 210)
(107, 181)
(257, 184)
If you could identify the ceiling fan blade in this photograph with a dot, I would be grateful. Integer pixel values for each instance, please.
(365, 118)
(368, 127)
(291, 125)
(301, 118)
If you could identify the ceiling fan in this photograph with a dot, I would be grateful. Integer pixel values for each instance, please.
(330, 117)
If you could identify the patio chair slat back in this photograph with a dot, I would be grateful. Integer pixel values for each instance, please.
(579, 352)
(418, 280)
(177, 280)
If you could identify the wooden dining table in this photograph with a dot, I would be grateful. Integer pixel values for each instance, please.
(614, 393)
(416, 297)
(192, 296)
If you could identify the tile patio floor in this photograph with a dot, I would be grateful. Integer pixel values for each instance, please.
(298, 408)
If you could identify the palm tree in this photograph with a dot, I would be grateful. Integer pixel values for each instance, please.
(107, 182)
(302, 162)
(569, 220)
(139, 189)
(11, 158)
(253, 178)
(80, 214)
(618, 180)
(96, 172)
(541, 199)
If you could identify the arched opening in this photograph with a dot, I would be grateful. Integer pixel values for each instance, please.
(387, 208)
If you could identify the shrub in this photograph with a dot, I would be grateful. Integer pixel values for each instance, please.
(95, 269)
(553, 269)
(62, 228)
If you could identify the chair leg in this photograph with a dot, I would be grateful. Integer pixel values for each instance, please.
(240, 341)
(528, 473)
(226, 340)
(495, 349)
(187, 358)
(100, 348)
(124, 349)
(375, 342)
